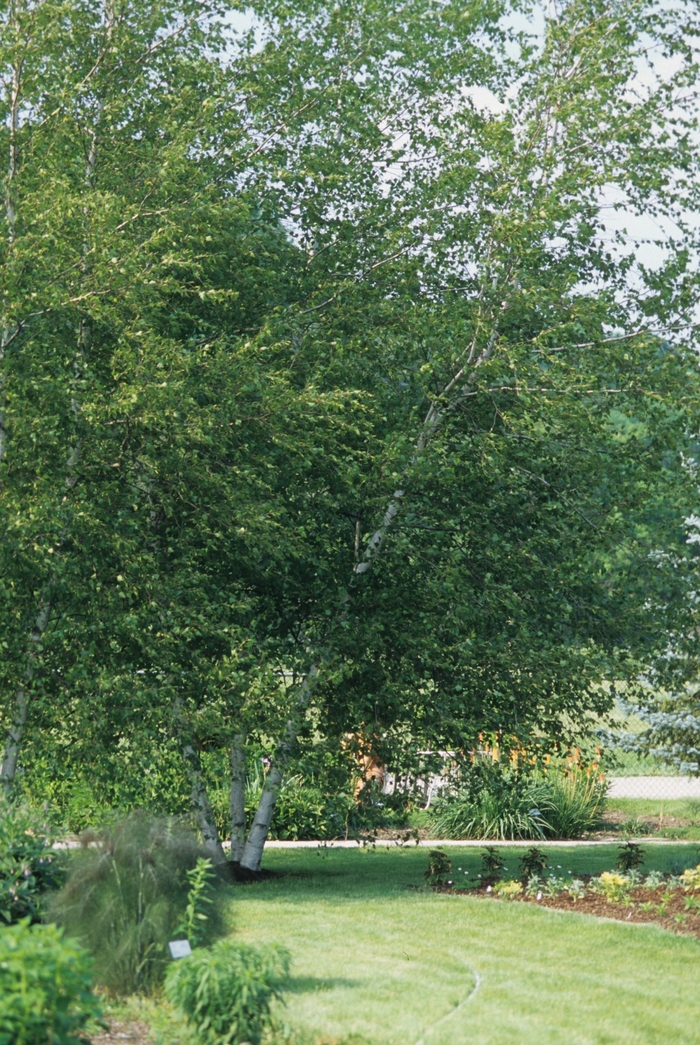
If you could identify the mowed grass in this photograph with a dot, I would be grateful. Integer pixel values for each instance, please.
(666, 813)
(378, 961)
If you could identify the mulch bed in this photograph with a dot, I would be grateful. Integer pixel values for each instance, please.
(668, 908)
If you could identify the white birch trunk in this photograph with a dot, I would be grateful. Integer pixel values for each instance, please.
(237, 798)
(453, 393)
(260, 828)
(202, 806)
(13, 745)
(9, 329)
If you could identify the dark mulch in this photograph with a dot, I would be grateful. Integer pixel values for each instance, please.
(644, 906)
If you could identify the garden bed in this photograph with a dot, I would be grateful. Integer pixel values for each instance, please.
(660, 906)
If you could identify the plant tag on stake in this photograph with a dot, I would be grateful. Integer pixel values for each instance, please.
(180, 948)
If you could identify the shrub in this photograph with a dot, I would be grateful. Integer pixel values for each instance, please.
(439, 867)
(533, 863)
(29, 866)
(572, 803)
(690, 879)
(45, 993)
(492, 865)
(615, 887)
(507, 802)
(508, 890)
(226, 991)
(630, 857)
(126, 897)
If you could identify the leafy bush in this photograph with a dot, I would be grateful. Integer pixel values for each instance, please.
(304, 810)
(615, 887)
(439, 867)
(492, 801)
(508, 890)
(630, 857)
(126, 896)
(226, 990)
(45, 995)
(492, 865)
(690, 878)
(29, 866)
(533, 862)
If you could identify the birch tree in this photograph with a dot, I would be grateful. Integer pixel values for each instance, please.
(376, 404)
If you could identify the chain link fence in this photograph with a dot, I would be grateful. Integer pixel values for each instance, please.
(658, 788)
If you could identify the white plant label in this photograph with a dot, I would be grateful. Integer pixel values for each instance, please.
(180, 948)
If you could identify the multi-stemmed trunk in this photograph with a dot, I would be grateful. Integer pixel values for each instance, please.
(453, 393)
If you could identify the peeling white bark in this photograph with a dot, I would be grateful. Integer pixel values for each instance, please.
(260, 828)
(237, 798)
(13, 745)
(8, 329)
(204, 814)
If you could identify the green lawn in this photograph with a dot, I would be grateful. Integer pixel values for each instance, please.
(375, 961)
(665, 813)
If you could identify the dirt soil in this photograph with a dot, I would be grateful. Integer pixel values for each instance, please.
(123, 1034)
(644, 906)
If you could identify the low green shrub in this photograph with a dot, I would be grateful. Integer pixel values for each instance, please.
(226, 991)
(304, 810)
(126, 897)
(630, 857)
(45, 996)
(439, 867)
(533, 863)
(492, 866)
(29, 866)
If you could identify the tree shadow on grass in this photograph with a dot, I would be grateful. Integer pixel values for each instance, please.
(310, 984)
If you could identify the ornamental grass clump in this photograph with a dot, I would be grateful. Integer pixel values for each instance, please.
(128, 895)
(573, 802)
(226, 991)
(490, 800)
(45, 996)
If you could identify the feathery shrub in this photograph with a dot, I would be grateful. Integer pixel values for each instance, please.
(126, 897)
